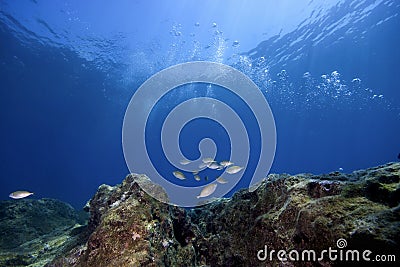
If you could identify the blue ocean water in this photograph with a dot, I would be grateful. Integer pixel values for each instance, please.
(328, 69)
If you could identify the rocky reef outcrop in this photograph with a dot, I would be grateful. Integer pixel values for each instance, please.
(34, 231)
(357, 211)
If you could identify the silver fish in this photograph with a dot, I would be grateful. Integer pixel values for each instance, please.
(234, 169)
(20, 194)
(197, 178)
(184, 162)
(179, 175)
(208, 160)
(203, 165)
(208, 190)
(221, 180)
(226, 163)
(213, 166)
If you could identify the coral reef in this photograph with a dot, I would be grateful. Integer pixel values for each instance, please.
(290, 212)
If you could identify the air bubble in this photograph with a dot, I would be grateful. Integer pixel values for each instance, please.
(335, 73)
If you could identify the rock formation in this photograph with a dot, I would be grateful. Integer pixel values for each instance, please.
(287, 212)
(296, 213)
(33, 231)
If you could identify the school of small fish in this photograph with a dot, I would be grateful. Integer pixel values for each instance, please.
(213, 165)
(206, 163)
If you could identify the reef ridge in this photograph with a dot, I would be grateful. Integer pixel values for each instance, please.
(289, 212)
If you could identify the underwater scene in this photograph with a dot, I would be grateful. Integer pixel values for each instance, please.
(199, 133)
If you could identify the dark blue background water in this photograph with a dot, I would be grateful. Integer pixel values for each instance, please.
(68, 71)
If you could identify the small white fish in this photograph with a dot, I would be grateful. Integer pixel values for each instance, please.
(226, 163)
(184, 162)
(179, 175)
(234, 169)
(221, 180)
(208, 190)
(203, 165)
(213, 166)
(208, 160)
(197, 178)
(20, 194)
(341, 169)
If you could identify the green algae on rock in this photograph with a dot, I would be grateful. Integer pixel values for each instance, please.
(33, 232)
(301, 212)
(26, 219)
